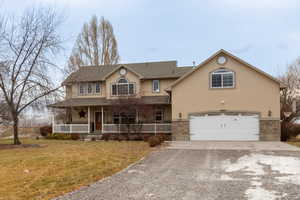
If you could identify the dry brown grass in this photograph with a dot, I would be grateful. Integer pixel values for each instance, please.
(294, 143)
(62, 166)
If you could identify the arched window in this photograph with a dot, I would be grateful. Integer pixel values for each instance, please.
(122, 80)
(123, 87)
(222, 78)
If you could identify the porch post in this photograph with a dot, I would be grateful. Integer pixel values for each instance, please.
(89, 126)
(102, 128)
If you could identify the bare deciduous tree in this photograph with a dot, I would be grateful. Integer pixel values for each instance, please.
(130, 109)
(28, 46)
(4, 114)
(96, 45)
(289, 97)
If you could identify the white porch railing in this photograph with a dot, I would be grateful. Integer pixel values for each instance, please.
(137, 128)
(70, 128)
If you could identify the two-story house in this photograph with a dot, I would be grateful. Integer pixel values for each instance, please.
(223, 98)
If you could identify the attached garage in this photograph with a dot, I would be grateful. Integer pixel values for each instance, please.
(230, 127)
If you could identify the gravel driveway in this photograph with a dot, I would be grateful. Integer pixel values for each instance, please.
(193, 174)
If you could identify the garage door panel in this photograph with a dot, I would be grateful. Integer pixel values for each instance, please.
(224, 127)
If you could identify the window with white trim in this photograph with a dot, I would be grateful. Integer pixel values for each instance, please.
(155, 86)
(122, 88)
(97, 87)
(124, 118)
(159, 115)
(222, 78)
(89, 88)
(82, 88)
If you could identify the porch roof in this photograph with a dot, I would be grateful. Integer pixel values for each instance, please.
(72, 102)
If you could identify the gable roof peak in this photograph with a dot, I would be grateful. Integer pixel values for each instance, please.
(282, 85)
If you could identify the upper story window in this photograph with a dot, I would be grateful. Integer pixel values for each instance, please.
(81, 88)
(155, 86)
(122, 88)
(97, 87)
(222, 78)
(90, 88)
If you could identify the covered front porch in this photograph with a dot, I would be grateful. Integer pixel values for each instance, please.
(118, 117)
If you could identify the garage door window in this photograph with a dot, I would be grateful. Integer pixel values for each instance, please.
(222, 78)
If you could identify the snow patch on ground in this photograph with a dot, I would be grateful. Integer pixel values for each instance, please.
(259, 193)
(225, 177)
(249, 164)
(294, 179)
(254, 165)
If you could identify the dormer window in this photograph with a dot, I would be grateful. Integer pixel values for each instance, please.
(122, 88)
(122, 80)
(222, 78)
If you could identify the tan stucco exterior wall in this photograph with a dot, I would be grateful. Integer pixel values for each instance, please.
(253, 92)
(146, 87)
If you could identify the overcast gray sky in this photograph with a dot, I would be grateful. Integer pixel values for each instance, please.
(265, 33)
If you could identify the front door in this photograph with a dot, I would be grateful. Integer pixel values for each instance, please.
(98, 120)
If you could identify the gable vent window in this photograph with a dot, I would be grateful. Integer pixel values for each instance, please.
(155, 86)
(222, 78)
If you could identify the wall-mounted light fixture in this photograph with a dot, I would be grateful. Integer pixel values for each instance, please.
(270, 113)
(222, 102)
(180, 115)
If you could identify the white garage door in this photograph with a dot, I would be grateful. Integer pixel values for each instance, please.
(224, 127)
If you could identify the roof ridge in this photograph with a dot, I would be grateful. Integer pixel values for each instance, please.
(94, 66)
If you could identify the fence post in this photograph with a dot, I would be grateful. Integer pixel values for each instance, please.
(119, 128)
(155, 128)
(70, 128)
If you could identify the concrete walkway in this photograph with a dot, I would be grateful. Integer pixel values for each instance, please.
(221, 145)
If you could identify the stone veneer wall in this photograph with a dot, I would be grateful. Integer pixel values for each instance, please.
(270, 130)
(180, 130)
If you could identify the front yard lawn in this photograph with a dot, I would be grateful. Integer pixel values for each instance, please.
(61, 166)
(294, 143)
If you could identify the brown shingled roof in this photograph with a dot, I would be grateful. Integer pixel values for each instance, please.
(150, 100)
(148, 70)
